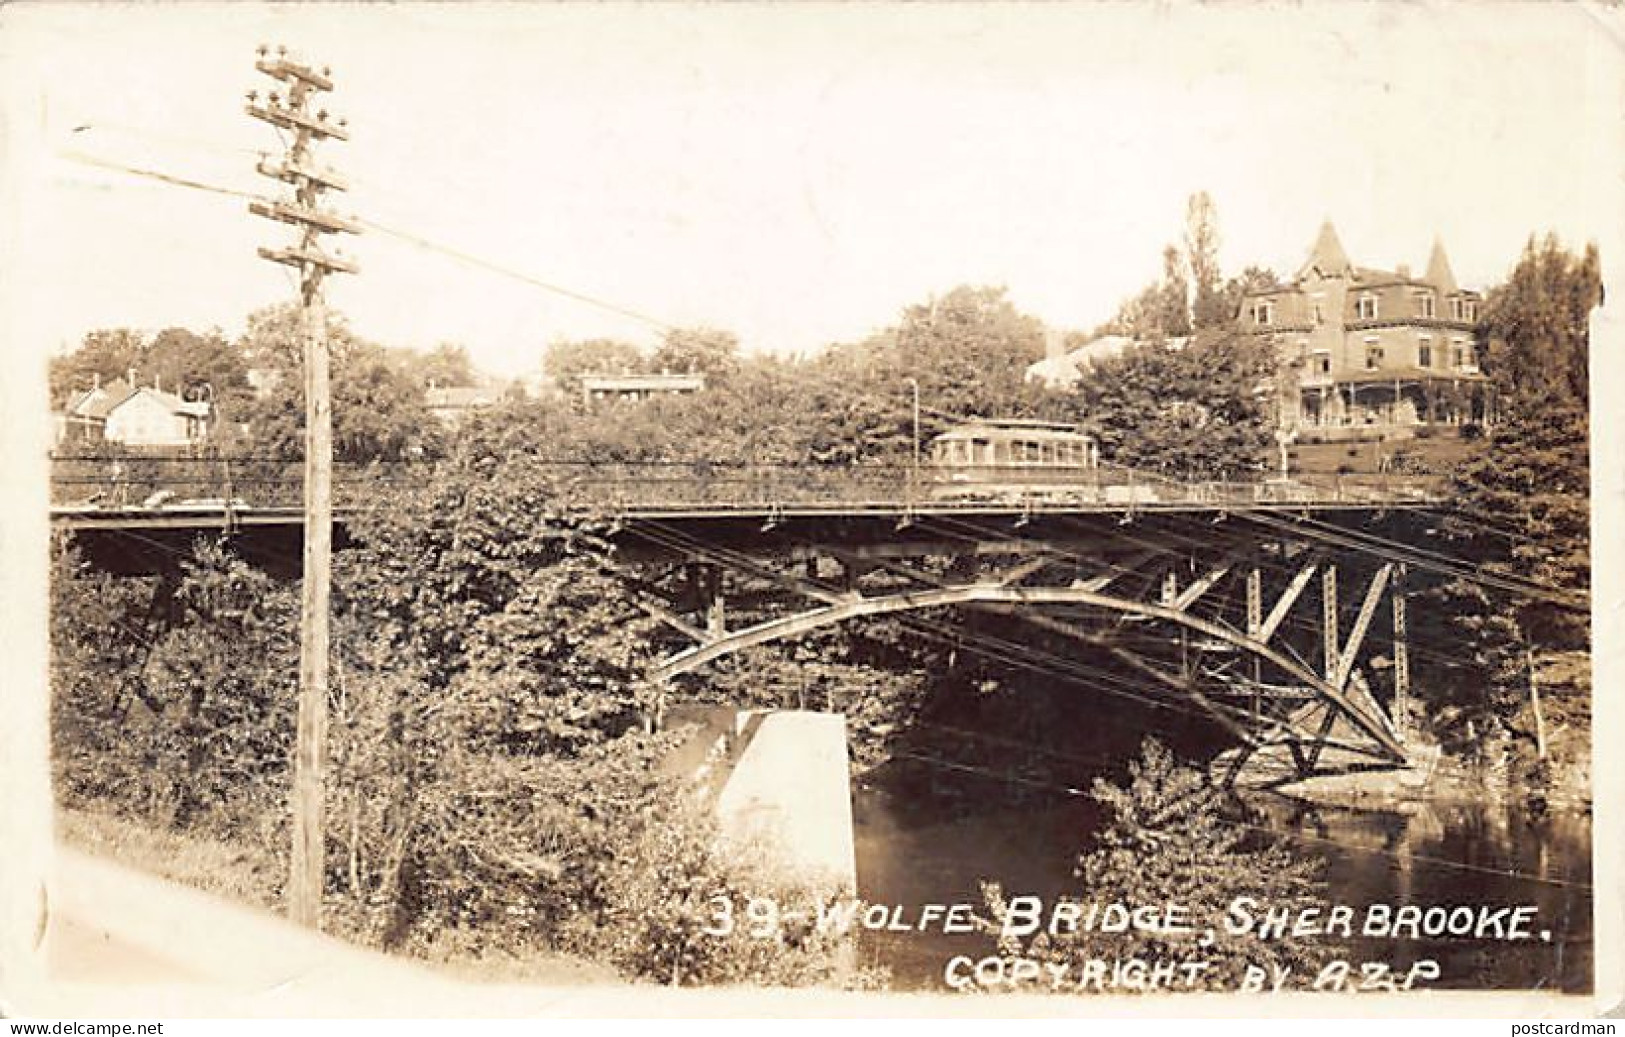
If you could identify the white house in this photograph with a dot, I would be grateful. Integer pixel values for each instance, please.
(136, 415)
(1065, 370)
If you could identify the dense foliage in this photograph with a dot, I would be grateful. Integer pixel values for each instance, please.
(1523, 503)
(1202, 412)
(492, 779)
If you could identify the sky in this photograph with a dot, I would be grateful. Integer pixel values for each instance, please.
(797, 174)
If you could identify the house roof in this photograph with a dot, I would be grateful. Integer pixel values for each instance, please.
(174, 404)
(97, 403)
(1327, 254)
(1327, 257)
(1064, 371)
(1439, 272)
(1013, 428)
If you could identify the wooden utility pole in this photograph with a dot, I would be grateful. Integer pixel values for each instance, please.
(290, 111)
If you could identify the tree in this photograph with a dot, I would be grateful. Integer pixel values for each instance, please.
(1253, 278)
(1209, 308)
(447, 364)
(176, 359)
(969, 350)
(1165, 840)
(1523, 503)
(104, 355)
(1203, 412)
(1536, 327)
(1174, 312)
(379, 408)
(708, 351)
(566, 361)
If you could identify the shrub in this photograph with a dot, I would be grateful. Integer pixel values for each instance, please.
(173, 698)
(1165, 840)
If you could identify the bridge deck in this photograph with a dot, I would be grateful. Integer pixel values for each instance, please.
(215, 517)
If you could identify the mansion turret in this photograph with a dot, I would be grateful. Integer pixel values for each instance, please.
(1372, 354)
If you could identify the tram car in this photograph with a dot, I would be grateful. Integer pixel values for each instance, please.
(988, 459)
(1011, 460)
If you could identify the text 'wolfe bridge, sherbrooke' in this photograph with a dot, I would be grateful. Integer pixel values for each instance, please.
(1277, 614)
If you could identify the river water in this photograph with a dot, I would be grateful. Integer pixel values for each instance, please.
(936, 846)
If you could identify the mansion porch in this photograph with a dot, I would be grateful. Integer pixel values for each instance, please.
(1391, 405)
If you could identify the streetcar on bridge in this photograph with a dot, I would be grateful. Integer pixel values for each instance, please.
(995, 459)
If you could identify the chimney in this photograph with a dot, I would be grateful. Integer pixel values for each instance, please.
(1404, 271)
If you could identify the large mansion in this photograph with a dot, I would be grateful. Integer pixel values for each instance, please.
(1372, 354)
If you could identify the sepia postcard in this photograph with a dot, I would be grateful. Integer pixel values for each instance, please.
(828, 509)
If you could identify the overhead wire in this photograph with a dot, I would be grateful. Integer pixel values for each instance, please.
(395, 232)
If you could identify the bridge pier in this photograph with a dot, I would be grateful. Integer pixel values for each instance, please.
(782, 789)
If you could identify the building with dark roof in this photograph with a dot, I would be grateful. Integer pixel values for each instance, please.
(1372, 354)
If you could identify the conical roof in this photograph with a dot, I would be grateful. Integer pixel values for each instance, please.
(1327, 255)
(1439, 275)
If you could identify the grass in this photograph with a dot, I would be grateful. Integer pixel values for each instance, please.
(210, 865)
(248, 876)
(1439, 453)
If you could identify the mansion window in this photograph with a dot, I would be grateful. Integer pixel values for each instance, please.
(1320, 315)
(1458, 353)
(1424, 352)
(1373, 357)
(1368, 307)
(1424, 305)
(1322, 364)
(1263, 313)
(1463, 309)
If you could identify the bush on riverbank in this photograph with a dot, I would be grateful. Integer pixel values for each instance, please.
(1166, 841)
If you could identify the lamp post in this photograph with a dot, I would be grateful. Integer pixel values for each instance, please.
(211, 422)
(914, 471)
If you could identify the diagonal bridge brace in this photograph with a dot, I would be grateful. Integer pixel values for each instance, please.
(983, 593)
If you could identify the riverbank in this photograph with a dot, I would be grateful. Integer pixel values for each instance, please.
(247, 876)
(1538, 755)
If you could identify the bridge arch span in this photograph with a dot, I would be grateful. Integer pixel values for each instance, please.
(857, 606)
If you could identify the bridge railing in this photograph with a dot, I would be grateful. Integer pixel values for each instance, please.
(269, 483)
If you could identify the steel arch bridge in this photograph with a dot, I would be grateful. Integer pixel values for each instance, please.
(1287, 628)
(1244, 621)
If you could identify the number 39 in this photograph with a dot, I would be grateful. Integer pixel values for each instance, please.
(760, 912)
